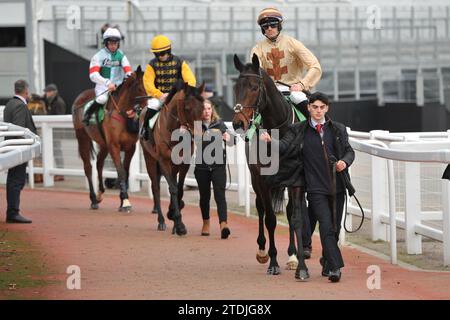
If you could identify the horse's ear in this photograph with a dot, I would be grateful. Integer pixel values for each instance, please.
(202, 87)
(238, 64)
(255, 62)
(139, 70)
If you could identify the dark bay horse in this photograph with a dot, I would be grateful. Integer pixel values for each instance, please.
(183, 106)
(256, 93)
(111, 135)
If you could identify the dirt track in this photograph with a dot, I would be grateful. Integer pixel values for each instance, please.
(123, 256)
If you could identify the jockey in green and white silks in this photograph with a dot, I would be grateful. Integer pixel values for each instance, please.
(107, 70)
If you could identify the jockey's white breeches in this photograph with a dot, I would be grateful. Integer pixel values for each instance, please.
(295, 96)
(154, 104)
(101, 95)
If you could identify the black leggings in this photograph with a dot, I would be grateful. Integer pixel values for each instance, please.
(218, 178)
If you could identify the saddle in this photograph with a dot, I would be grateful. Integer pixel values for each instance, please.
(101, 112)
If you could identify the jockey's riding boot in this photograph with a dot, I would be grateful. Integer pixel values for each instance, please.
(145, 126)
(90, 111)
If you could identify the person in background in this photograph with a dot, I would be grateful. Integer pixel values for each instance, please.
(210, 168)
(16, 112)
(55, 105)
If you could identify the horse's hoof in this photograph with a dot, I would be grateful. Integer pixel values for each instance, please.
(161, 226)
(94, 206)
(273, 271)
(126, 209)
(181, 230)
(262, 257)
(154, 211)
(292, 262)
(301, 275)
(100, 197)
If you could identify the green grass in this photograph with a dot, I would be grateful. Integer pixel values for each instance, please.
(22, 267)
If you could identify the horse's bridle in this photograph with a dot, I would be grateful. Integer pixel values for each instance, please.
(238, 108)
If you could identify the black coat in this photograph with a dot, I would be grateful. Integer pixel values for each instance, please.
(291, 169)
(55, 105)
(209, 135)
(16, 112)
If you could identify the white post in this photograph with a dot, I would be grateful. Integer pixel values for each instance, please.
(379, 196)
(31, 174)
(247, 192)
(446, 220)
(392, 212)
(47, 154)
(241, 168)
(412, 207)
(133, 182)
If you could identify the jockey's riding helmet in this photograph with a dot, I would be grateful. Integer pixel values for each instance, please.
(160, 44)
(111, 34)
(270, 16)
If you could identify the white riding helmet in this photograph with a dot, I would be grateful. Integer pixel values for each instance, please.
(112, 34)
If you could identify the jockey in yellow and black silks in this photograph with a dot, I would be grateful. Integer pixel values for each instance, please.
(161, 74)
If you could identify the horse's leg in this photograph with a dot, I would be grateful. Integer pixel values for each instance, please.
(271, 224)
(298, 198)
(85, 150)
(292, 251)
(261, 255)
(155, 177)
(114, 151)
(174, 209)
(101, 156)
(181, 177)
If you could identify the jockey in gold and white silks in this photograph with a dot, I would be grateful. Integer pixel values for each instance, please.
(284, 58)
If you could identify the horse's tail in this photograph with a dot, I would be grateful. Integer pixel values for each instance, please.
(277, 196)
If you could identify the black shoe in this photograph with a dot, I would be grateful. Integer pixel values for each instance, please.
(325, 270)
(334, 275)
(225, 233)
(17, 219)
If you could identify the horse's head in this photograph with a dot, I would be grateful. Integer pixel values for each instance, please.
(132, 87)
(188, 103)
(249, 92)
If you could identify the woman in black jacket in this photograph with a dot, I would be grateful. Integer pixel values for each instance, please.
(210, 167)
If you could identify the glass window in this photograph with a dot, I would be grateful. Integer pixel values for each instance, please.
(12, 37)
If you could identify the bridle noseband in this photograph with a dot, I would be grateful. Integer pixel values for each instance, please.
(239, 108)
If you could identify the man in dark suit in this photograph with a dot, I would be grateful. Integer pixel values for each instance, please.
(16, 112)
(325, 154)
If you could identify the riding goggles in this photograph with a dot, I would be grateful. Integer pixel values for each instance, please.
(272, 24)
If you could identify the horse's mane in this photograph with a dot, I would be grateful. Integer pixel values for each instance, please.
(179, 85)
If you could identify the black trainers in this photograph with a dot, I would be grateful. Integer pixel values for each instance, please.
(334, 275)
(17, 219)
(325, 270)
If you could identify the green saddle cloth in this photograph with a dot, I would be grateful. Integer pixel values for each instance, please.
(101, 112)
(300, 116)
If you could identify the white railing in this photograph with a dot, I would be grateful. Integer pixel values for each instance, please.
(395, 182)
(413, 151)
(17, 151)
